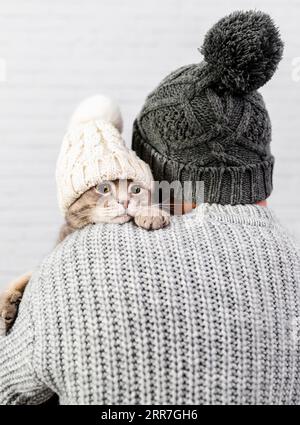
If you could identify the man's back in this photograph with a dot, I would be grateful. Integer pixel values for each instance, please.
(205, 311)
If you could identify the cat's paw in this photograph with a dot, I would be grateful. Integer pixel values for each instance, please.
(9, 303)
(152, 218)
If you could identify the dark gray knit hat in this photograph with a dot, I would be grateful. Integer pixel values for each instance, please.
(206, 122)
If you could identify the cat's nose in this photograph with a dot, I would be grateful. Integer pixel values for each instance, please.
(125, 204)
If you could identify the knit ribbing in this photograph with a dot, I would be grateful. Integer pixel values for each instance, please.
(204, 311)
(233, 185)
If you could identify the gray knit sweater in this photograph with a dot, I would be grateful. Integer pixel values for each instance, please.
(204, 311)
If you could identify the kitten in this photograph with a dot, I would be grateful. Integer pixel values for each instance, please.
(118, 202)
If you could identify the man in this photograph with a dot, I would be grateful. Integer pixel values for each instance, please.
(204, 311)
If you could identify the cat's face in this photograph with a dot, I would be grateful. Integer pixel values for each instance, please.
(109, 202)
(118, 201)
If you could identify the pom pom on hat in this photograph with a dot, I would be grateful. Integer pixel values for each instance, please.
(243, 51)
(98, 107)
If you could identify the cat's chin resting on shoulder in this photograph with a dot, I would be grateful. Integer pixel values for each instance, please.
(119, 220)
(149, 218)
(111, 202)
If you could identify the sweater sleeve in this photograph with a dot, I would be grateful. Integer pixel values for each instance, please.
(18, 381)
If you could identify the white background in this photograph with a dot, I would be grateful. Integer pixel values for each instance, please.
(59, 51)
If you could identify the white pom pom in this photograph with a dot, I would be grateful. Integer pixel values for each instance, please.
(98, 107)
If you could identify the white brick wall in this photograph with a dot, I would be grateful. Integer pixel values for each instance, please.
(58, 52)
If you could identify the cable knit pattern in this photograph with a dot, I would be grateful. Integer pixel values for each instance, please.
(187, 131)
(92, 152)
(204, 311)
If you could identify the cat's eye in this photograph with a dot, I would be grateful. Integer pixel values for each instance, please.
(103, 188)
(135, 189)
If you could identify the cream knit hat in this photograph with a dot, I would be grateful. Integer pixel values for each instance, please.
(93, 151)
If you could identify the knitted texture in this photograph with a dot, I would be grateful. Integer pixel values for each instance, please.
(110, 318)
(206, 122)
(93, 151)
